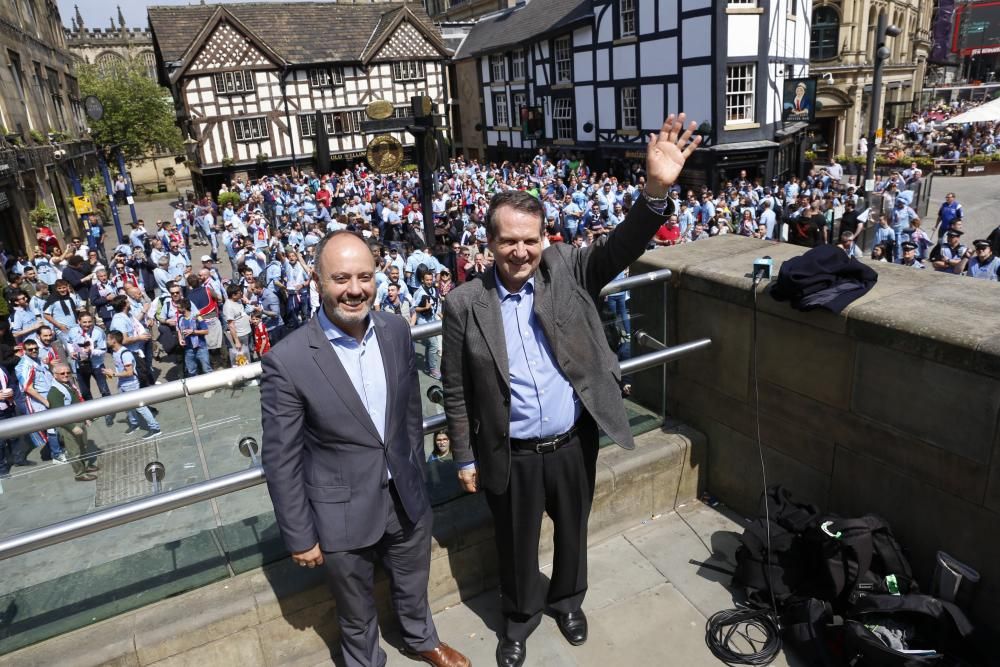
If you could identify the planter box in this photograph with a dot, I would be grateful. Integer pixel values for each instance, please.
(983, 169)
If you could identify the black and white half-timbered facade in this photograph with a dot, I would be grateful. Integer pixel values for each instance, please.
(602, 74)
(248, 79)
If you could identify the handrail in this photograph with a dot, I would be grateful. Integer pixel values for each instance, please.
(89, 524)
(228, 377)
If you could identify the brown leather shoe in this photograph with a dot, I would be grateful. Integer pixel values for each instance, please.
(440, 656)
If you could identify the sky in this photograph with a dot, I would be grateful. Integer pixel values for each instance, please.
(97, 13)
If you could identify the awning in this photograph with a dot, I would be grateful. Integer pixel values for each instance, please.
(743, 146)
(788, 131)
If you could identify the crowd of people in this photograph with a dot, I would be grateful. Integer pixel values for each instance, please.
(218, 285)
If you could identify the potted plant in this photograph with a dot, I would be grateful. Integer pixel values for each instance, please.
(229, 198)
(227, 162)
(37, 137)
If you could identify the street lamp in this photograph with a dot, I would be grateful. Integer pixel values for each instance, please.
(882, 53)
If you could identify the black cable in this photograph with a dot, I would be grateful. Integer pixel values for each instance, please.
(728, 625)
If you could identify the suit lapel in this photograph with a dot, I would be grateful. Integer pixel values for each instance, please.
(486, 312)
(387, 347)
(331, 369)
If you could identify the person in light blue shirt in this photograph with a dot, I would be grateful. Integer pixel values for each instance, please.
(427, 309)
(125, 371)
(767, 217)
(24, 322)
(35, 380)
(413, 262)
(87, 347)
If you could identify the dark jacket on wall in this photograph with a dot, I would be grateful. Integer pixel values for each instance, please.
(823, 277)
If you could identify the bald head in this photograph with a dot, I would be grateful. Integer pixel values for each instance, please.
(338, 247)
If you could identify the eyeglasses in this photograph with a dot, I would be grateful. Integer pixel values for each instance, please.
(31, 349)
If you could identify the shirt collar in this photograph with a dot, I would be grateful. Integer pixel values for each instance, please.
(334, 333)
(527, 288)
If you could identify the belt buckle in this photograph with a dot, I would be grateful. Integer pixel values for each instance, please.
(546, 447)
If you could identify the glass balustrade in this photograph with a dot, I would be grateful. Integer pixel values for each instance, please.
(57, 588)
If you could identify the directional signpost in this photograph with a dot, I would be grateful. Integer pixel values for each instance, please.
(421, 125)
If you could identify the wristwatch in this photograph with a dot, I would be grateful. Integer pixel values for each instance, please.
(659, 205)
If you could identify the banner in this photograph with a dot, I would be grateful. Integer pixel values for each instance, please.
(941, 33)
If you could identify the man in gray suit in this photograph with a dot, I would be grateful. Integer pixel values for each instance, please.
(345, 469)
(528, 380)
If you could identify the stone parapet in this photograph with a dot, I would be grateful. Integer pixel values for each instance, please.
(284, 615)
(890, 407)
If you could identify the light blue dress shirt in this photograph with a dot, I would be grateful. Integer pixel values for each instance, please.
(542, 401)
(363, 363)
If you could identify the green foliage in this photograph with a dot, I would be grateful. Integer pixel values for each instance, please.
(924, 163)
(4, 306)
(43, 216)
(227, 162)
(229, 198)
(979, 158)
(810, 155)
(37, 137)
(138, 113)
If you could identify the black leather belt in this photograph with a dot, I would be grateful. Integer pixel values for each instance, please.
(543, 445)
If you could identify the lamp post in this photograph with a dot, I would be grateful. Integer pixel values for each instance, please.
(882, 53)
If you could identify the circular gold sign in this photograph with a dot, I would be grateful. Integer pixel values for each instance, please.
(379, 110)
(427, 105)
(385, 153)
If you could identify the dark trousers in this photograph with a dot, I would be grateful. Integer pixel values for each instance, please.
(84, 372)
(12, 450)
(405, 554)
(561, 484)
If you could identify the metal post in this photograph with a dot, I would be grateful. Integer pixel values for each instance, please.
(103, 165)
(875, 110)
(423, 123)
(129, 192)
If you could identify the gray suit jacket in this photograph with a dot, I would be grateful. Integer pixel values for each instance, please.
(324, 460)
(474, 359)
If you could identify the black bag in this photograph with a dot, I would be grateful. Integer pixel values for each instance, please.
(167, 338)
(854, 556)
(922, 621)
(784, 571)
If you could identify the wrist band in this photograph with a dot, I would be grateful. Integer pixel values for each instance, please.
(658, 205)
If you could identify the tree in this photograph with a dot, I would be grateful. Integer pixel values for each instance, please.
(138, 113)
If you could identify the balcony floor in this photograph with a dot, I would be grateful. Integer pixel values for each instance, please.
(647, 605)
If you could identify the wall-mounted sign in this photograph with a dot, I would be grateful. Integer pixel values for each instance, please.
(82, 205)
(799, 100)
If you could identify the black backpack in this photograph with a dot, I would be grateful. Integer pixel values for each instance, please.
(784, 572)
(855, 556)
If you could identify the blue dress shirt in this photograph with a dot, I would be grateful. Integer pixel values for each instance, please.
(542, 401)
(363, 363)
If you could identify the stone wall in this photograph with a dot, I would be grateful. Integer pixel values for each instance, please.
(890, 407)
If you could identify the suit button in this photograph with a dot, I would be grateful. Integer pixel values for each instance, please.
(506, 401)
(504, 434)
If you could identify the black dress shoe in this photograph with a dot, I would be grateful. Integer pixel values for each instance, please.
(573, 626)
(511, 653)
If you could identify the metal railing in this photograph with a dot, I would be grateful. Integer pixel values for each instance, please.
(219, 486)
(210, 489)
(229, 377)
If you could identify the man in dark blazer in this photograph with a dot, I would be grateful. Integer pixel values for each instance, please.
(528, 380)
(345, 468)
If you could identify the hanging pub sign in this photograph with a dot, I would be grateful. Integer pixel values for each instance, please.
(799, 100)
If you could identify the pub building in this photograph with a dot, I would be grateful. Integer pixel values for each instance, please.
(591, 78)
